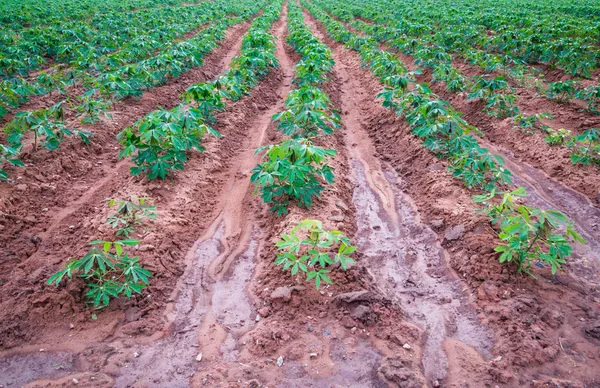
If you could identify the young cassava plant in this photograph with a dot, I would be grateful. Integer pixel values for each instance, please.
(529, 235)
(312, 250)
(293, 170)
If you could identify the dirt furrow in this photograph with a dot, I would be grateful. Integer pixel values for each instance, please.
(198, 302)
(529, 321)
(408, 262)
(175, 225)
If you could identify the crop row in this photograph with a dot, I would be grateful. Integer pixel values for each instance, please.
(126, 81)
(295, 170)
(16, 15)
(529, 235)
(83, 53)
(499, 97)
(158, 143)
(568, 42)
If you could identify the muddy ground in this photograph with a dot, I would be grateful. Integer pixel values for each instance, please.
(427, 304)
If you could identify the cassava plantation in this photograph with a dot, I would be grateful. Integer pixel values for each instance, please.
(300, 193)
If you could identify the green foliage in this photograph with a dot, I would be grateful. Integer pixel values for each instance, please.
(562, 91)
(158, 143)
(591, 95)
(8, 155)
(92, 107)
(529, 123)
(559, 137)
(529, 235)
(586, 147)
(108, 272)
(45, 124)
(107, 268)
(292, 170)
(129, 214)
(312, 250)
(498, 95)
(308, 113)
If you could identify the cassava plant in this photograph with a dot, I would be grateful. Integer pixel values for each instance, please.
(129, 214)
(529, 235)
(558, 137)
(158, 143)
(586, 147)
(108, 272)
(46, 124)
(529, 123)
(292, 170)
(8, 155)
(311, 250)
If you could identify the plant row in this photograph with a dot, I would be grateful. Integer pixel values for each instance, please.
(159, 143)
(145, 42)
(561, 42)
(296, 170)
(499, 97)
(529, 235)
(128, 81)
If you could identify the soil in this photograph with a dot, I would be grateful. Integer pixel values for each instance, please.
(427, 304)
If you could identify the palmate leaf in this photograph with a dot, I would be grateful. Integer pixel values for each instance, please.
(95, 258)
(132, 270)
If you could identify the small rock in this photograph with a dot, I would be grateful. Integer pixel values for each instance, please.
(199, 357)
(435, 383)
(264, 312)
(348, 322)
(437, 223)
(322, 314)
(146, 248)
(310, 328)
(285, 293)
(436, 167)
(345, 208)
(455, 233)
(354, 296)
(75, 381)
(45, 209)
(338, 218)
(499, 358)
(71, 226)
(360, 312)
(280, 361)
(406, 346)
(136, 354)
(313, 355)
(71, 326)
(282, 293)
(21, 187)
(41, 350)
(257, 317)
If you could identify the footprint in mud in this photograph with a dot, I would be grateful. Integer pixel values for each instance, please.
(410, 266)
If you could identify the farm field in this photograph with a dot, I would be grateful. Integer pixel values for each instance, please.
(307, 193)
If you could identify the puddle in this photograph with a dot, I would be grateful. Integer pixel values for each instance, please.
(230, 304)
(19, 369)
(411, 268)
(171, 361)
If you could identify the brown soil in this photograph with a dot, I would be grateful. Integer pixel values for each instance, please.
(427, 304)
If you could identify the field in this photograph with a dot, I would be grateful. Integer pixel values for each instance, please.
(321, 193)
